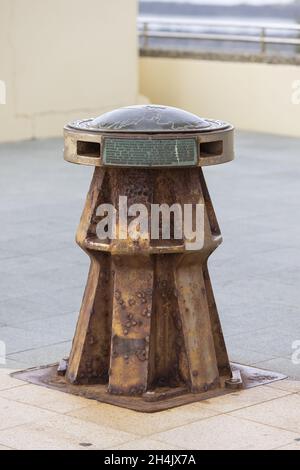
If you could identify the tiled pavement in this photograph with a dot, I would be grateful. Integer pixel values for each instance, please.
(32, 417)
(256, 272)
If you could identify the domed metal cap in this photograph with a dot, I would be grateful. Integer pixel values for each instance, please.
(148, 118)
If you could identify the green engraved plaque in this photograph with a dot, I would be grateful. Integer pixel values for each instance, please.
(150, 152)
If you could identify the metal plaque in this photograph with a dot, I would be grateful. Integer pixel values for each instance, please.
(150, 152)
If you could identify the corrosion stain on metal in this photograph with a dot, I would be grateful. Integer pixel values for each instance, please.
(128, 346)
(149, 321)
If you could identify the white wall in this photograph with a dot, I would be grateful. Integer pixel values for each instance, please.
(253, 96)
(63, 59)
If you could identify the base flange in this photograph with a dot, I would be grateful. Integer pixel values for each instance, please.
(158, 400)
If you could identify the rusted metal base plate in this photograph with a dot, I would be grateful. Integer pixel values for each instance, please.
(161, 399)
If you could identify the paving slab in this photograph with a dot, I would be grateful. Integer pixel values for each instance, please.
(62, 433)
(141, 423)
(226, 432)
(283, 413)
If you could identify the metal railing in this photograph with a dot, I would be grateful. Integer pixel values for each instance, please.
(151, 28)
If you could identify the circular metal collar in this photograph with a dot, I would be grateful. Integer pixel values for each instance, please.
(149, 136)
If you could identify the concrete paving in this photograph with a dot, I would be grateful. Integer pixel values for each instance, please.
(255, 273)
(37, 418)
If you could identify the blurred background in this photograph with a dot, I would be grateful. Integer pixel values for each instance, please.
(234, 59)
(239, 61)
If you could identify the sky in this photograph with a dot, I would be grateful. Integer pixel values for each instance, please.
(227, 2)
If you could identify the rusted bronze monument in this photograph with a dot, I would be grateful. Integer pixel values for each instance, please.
(148, 335)
(148, 323)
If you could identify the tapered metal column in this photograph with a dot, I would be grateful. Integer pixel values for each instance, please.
(148, 317)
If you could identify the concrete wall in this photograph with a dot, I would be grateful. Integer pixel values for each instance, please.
(252, 96)
(63, 59)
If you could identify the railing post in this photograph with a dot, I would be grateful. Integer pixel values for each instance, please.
(145, 35)
(262, 41)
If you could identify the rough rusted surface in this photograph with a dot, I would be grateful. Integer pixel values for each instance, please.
(148, 320)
